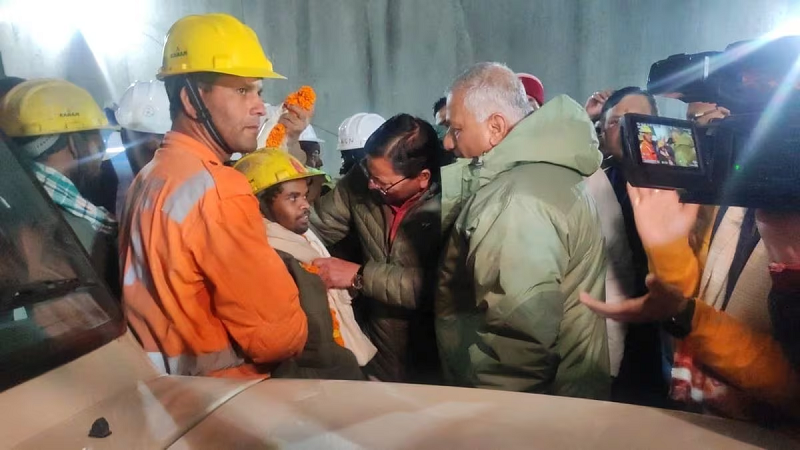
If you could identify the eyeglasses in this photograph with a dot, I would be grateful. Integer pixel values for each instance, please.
(373, 180)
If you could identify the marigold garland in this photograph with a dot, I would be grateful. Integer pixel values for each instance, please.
(310, 268)
(337, 331)
(304, 98)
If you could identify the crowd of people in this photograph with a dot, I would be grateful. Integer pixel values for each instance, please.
(498, 246)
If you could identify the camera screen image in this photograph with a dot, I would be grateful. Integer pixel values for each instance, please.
(667, 145)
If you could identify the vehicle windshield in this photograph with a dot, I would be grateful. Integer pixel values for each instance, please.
(53, 307)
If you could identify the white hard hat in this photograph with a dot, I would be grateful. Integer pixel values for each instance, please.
(309, 135)
(144, 107)
(355, 130)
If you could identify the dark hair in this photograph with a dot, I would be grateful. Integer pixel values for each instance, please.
(439, 105)
(350, 159)
(175, 84)
(410, 143)
(268, 195)
(9, 83)
(310, 146)
(619, 94)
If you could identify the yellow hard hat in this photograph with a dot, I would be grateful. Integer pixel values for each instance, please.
(49, 106)
(217, 43)
(645, 129)
(267, 167)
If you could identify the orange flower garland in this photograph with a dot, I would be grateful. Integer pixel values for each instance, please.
(310, 268)
(304, 98)
(337, 331)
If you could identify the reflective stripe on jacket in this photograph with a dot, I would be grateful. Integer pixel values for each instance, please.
(203, 289)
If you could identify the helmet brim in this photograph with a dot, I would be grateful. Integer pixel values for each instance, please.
(71, 130)
(294, 178)
(243, 72)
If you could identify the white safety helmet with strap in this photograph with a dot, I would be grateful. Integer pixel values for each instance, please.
(355, 130)
(144, 107)
(309, 135)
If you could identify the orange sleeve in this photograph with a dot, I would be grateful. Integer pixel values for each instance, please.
(252, 291)
(703, 230)
(677, 265)
(746, 359)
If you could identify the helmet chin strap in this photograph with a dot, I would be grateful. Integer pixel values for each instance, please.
(204, 115)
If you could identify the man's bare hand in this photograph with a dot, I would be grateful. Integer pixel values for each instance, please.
(705, 113)
(336, 273)
(660, 304)
(661, 218)
(295, 119)
(594, 105)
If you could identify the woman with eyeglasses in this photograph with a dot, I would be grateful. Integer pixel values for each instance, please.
(391, 204)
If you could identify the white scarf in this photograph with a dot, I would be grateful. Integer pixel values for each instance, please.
(306, 248)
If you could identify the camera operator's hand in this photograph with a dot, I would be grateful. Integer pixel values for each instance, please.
(594, 105)
(661, 303)
(704, 113)
(780, 232)
(661, 218)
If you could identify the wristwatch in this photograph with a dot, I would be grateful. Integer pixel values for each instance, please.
(358, 280)
(680, 325)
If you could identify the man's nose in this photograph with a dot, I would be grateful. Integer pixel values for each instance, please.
(371, 184)
(448, 142)
(259, 108)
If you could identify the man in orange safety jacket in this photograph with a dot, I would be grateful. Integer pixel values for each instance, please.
(203, 290)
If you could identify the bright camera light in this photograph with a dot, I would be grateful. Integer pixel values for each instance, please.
(110, 27)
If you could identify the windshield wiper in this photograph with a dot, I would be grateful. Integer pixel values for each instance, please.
(30, 294)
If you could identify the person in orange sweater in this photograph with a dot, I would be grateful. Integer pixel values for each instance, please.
(753, 362)
(744, 312)
(204, 292)
(730, 367)
(717, 256)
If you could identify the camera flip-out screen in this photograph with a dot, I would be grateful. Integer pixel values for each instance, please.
(669, 145)
(663, 152)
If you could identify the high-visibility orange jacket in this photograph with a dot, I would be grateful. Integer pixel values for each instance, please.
(648, 151)
(203, 290)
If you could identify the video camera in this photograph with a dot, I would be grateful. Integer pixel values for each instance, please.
(750, 159)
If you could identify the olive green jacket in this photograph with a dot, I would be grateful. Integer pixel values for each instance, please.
(396, 301)
(524, 242)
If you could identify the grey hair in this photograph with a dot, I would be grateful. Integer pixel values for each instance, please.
(490, 88)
